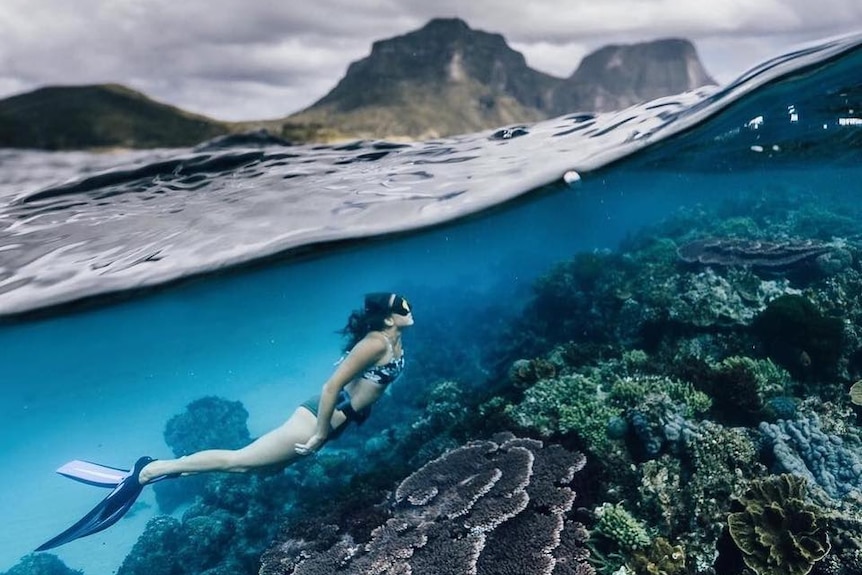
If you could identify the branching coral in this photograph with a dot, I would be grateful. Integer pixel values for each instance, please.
(614, 522)
(569, 404)
(629, 391)
(777, 531)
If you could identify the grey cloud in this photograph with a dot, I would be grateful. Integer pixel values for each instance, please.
(229, 58)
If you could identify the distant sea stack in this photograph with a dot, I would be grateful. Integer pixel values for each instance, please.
(98, 116)
(447, 78)
(616, 77)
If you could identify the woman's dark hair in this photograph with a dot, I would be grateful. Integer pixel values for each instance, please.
(370, 318)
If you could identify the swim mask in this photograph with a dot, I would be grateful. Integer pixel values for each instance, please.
(400, 306)
(380, 302)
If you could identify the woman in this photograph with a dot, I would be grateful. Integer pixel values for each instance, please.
(375, 359)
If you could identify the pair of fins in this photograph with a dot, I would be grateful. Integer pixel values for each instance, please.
(125, 489)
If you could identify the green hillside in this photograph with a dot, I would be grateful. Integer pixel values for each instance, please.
(98, 116)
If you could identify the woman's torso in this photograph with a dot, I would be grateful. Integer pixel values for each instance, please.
(368, 386)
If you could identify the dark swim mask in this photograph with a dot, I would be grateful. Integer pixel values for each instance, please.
(379, 302)
(400, 306)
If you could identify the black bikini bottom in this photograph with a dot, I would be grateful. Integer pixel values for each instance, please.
(342, 405)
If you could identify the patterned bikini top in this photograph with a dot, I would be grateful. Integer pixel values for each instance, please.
(388, 372)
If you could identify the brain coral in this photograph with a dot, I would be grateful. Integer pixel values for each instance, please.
(487, 507)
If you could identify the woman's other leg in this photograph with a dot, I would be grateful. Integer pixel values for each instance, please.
(274, 447)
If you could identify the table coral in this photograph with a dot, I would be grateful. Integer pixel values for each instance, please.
(727, 251)
(497, 506)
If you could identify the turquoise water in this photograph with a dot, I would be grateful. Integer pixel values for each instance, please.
(98, 379)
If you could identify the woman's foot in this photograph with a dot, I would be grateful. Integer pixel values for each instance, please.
(150, 472)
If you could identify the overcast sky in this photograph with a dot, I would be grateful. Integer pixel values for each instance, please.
(259, 59)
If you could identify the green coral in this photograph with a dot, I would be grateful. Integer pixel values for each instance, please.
(660, 558)
(777, 531)
(630, 391)
(618, 525)
(568, 404)
(771, 380)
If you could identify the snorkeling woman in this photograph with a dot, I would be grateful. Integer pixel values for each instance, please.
(374, 359)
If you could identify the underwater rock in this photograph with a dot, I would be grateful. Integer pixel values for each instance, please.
(41, 564)
(777, 531)
(496, 506)
(731, 252)
(207, 423)
(157, 551)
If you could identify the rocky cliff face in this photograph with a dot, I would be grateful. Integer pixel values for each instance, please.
(442, 79)
(442, 54)
(447, 78)
(616, 77)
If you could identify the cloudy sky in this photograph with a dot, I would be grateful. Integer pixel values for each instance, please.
(259, 59)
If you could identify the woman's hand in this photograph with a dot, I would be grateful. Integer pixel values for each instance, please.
(313, 444)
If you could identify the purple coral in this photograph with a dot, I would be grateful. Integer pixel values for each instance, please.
(751, 253)
(497, 506)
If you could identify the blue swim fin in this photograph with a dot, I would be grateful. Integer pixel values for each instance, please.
(111, 509)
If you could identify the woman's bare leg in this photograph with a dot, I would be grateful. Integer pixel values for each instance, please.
(275, 447)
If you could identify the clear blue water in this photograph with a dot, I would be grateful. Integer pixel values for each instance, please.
(252, 256)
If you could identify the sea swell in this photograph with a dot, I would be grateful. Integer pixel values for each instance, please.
(141, 219)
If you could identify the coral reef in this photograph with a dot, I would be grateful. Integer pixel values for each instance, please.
(800, 337)
(685, 368)
(494, 506)
(727, 251)
(660, 558)
(568, 404)
(207, 423)
(228, 527)
(804, 448)
(777, 531)
(615, 523)
(41, 564)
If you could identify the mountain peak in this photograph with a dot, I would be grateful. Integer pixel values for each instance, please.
(618, 76)
(445, 25)
(444, 52)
